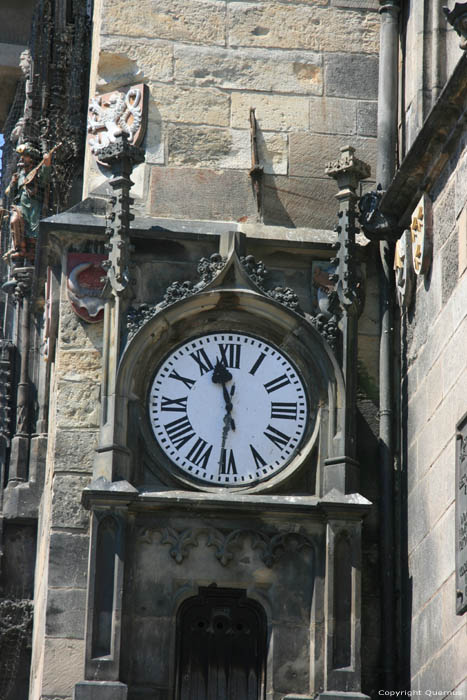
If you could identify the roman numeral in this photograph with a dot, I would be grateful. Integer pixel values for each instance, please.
(257, 363)
(259, 461)
(179, 431)
(277, 383)
(227, 466)
(284, 410)
(186, 381)
(204, 363)
(174, 404)
(279, 439)
(200, 453)
(230, 354)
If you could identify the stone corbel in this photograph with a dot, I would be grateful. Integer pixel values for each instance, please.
(376, 224)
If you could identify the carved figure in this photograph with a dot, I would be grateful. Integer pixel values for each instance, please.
(25, 63)
(114, 114)
(26, 190)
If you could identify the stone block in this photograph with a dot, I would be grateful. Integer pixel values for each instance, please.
(461, 179)
(273, 112)
(193, 193)
(154, 141)
(433, 561)
(66, 612)
(67, 510)
(74, 333)
(427, 633)
(367, 114)
(123, 63)
(453, 359)
(63, 665)
(151, 636)
(446, 670)
(100, 690)
(276, 25)
(79, 365)
(299, 201)
(434, 388)
(331, 115)
(250, 69)
(444, 217)
(191, 105)
(462, 240)
(310, 153)
(351, 75)
(74, 450)
(200, 22)
(209, 147)
(291, 650)
(416, 413)
(451, 622)
(357, 4)
(68, 560)
(450, 266)
(78, 404)
(273, 153)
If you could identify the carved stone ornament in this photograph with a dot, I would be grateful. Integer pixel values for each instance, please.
(85, 282)
(208, 269)
(228, 543)
(114, 113)
(420, 231)
(458, 19)
(403, 270)
(461, 516)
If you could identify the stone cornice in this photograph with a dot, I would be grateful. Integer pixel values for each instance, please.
(431, 149)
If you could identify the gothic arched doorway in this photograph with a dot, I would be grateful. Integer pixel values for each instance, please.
(221, 647)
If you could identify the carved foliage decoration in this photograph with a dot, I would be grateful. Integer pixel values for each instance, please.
(228, 543)
(85, 282)
(115, 113)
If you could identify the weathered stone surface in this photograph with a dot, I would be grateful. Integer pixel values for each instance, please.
(75, 333)
(351, 76)
(444, 216)
(461, 179)
(273, 153)
(66, 612)
(357, 4)
(273, 112)
(434, 388)
(309, 153)
(191, 105)
(427, 632)
(250, 69)
(330, 115)
(79, 365)
(68, 560)
(63, 665)
(104, 690)
(67, 510)
(447, 669)
(122, 62)
(78, 404)
(291, 644)
(453, 360)
(74, 450)
(299, 27)
(293, 201)
(432, 562)
(201, 194)
(462, 238)
(209, 147)
(367, 113)
(201, 22)
(450, 267)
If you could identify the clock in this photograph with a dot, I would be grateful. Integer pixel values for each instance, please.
(228, 409)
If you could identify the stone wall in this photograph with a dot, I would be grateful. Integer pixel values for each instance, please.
(61, 569)
(308, 67)
(434, 396)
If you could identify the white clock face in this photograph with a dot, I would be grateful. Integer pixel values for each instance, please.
(228, 409)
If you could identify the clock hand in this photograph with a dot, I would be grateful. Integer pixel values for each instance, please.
(221, 375)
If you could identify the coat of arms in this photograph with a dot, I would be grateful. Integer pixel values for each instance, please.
(116, 113)
(84, 285)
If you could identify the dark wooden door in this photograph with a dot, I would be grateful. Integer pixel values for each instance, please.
(221, 647)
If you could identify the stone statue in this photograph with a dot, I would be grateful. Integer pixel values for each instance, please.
(26, 191)
(25, 63)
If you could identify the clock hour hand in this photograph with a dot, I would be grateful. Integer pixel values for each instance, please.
(221, 375)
